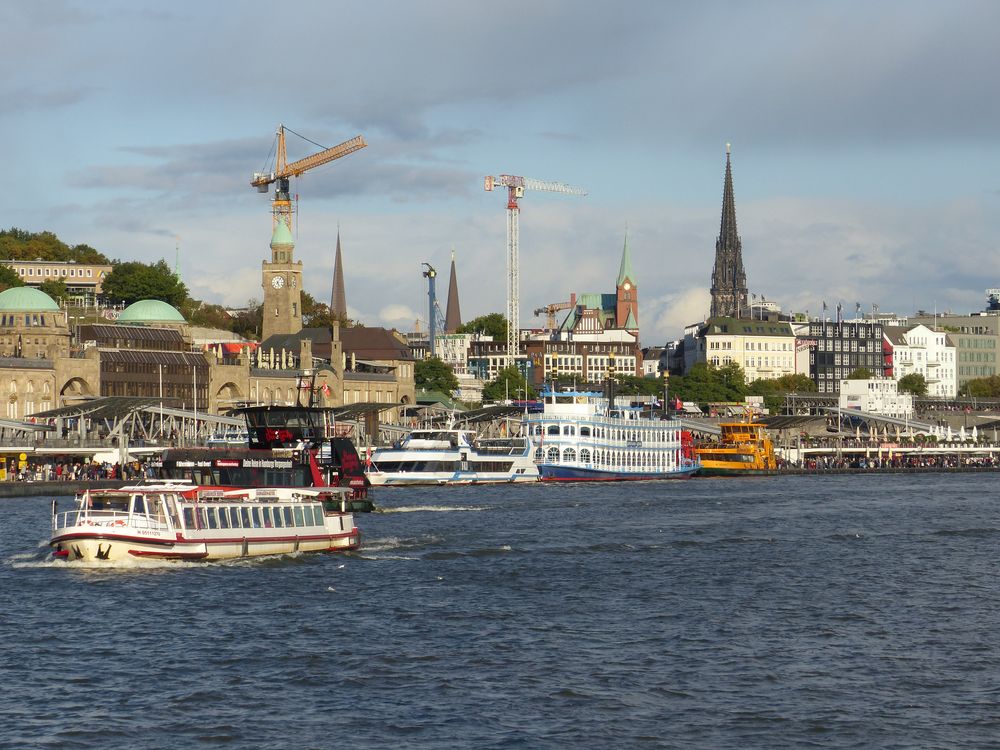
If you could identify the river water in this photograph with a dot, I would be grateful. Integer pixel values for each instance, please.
(771, 612)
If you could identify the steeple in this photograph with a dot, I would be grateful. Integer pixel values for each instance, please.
(626, 293)
(729, 280)
(625, 269)
(453, 318)
(338, 298)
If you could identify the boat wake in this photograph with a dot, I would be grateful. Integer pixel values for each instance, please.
(430, 508)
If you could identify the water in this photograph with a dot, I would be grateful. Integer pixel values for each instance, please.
(844, 611)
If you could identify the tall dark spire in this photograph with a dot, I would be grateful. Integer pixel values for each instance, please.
(729, 280)
(453, 318)
(338, 299)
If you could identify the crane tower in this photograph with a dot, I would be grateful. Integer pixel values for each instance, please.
(281, 204)
(515, 191)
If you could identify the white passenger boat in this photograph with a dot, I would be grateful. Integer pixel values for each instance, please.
(177, 521)
(452, 457)
(581, 436)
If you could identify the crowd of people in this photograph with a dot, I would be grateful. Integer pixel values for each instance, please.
(74, 471)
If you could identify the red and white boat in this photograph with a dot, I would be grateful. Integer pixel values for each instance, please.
(177, 521)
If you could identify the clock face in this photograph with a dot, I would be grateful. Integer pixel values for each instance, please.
(278, 281)
(627, 286)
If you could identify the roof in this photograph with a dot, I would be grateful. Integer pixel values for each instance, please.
(625, 270)
(26, 298)
(282, 235)
(743, 327)
(104, 333)
(111, 407)
(321, 339)
(143, 357)
(373, 344)
(149, 310)
(435, 397)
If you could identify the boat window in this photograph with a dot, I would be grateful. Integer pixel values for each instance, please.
(553, 429)
(584, 456)
(223, 518)
(245, 518)
(317, 515)
(538, 454)
(213, 518)
(569, 429)
(584, 432)
(552, 456)
(189, 518)
(536, 430)
(204, 519)
(139, 504)
(255, 517)
(288, 516)
(298, 516)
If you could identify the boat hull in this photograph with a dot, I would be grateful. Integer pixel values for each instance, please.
(401, 479)
(86, 545)
(562, 473)
(721, 471)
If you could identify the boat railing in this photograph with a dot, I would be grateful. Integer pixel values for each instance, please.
(109, 518)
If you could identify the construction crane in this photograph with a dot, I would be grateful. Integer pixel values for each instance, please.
(553, 308)
(281, 204)
(434, 316)
(515, 191)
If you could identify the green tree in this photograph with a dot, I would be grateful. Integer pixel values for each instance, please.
(494, 325)
(705, 383)
(774, 390)
(509, 384)
(18, 244)
(56, 289)
(982, 387)
(199, 313)
(860, 373)
(132, 281)
(434, 375)
(247, 322)
(914, 383)
(633, 385)
(9, 277)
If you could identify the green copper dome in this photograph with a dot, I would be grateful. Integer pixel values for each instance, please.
(282, 235)
(149, 311)
(20, 298)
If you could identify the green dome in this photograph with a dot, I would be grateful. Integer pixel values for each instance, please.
(148, 311)
(282, 235)
(19, 298)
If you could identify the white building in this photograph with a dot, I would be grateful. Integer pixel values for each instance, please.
(765, 349)
(922, 350)
(876, 396)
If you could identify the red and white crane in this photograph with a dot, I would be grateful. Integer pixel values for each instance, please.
(515, 191)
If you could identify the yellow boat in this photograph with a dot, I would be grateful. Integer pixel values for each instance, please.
(743, 449)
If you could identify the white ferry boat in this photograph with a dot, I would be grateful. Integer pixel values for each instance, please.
(177, 521)
(452, 457)
(580, 436)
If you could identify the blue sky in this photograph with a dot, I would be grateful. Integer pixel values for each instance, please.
(865, 160)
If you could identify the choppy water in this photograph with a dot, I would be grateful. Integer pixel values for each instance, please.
(846, 611)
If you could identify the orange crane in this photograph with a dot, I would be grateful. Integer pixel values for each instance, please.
(281, 204)
(553, 308)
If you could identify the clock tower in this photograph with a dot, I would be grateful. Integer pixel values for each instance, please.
(626, 294)
(282, 282)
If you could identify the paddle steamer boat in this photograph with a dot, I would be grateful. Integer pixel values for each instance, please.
(178, 521)
(581, 436)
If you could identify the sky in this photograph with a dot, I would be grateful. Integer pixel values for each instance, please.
(864, 146)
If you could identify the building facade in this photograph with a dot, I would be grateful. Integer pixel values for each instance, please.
(838, 348)
(876, 396)
(976, 338)
(919, 350)
(764, 349)
(83, 280)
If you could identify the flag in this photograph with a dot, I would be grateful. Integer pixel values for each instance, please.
(326, 389)
(824, 306)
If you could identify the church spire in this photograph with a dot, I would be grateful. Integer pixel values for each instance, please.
(453, 318)
(338, 298)
(625, 269)
(729, 280)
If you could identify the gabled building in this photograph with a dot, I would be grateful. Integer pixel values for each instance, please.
(919, 350)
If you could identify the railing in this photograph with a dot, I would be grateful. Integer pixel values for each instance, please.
(108, 518)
